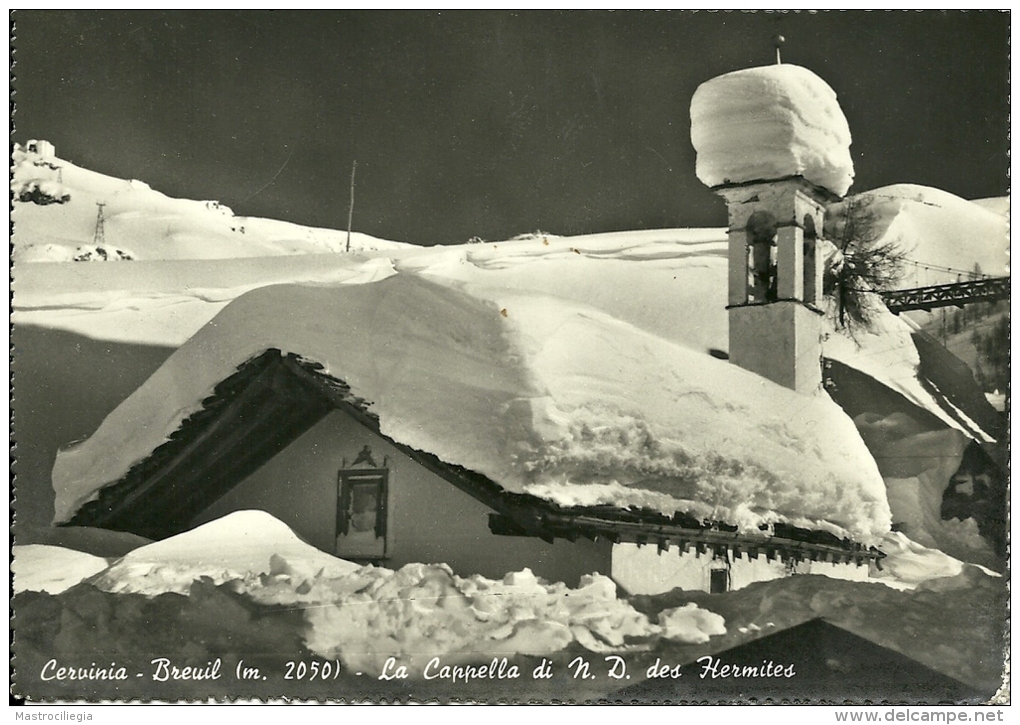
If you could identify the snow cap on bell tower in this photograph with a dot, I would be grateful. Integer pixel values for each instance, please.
(768, 123)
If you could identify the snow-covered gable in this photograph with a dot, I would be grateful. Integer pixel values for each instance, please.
(543, 396)
(770, 123)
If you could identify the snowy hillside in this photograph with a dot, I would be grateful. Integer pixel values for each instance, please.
(997, 204)
(935, 229)
(55, 216)
(670, 283)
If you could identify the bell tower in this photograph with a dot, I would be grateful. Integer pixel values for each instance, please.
(774, 143)
(775, 279)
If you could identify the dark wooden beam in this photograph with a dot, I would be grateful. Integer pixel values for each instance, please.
(239, 429)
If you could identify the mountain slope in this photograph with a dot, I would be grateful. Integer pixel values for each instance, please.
(935, 229)
(56, 212)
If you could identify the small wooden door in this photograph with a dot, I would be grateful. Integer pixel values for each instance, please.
(361, 513)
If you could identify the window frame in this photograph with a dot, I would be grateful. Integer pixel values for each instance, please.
(347, 480)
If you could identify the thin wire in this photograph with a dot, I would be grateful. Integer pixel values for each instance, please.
(940, 268)
(280, 171)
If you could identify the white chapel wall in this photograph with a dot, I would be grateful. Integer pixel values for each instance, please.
(646, 570)
(430, 520)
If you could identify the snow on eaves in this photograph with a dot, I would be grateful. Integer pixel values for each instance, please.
(538, 393)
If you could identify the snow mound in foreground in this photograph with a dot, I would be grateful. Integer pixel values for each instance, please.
(908, 564)
(769, 123)
(366, 614)
(493, 381)
(425, 610)
(691, 624)
(244, 543)
(51, 569)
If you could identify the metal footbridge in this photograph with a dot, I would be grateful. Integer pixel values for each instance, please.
(955, 294)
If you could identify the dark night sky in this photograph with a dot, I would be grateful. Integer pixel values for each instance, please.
(489, 123)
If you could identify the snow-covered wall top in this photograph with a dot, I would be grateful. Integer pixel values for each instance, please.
(769, 123)
(493, 380)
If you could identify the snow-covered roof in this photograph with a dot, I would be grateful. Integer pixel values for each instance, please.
(544, 396)
(770, 123)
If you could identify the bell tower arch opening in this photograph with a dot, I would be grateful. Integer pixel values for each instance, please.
(812, 295)
(762, 258)
(775, 279)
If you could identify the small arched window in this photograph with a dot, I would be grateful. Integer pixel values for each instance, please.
(761, 261)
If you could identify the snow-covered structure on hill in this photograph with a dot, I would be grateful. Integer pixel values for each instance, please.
(532, 407)
(45, 149)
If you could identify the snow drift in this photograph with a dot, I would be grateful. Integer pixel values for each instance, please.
(539, 394)
(769, 123)
(908, 564)
(366, 614)
(245, 543)
(52, 569)
(424, 611)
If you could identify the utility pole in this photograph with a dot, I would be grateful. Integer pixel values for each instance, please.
(100, 237)
(350, 212)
